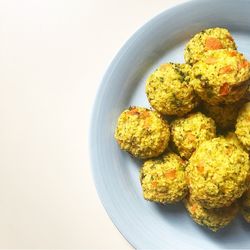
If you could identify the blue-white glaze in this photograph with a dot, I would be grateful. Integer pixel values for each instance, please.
(144, 224)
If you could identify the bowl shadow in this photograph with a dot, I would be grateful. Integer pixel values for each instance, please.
(227, 237)
(170, 209)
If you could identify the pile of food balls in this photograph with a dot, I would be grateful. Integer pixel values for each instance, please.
(202, 156)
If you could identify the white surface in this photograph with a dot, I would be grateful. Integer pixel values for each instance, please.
(52, 57)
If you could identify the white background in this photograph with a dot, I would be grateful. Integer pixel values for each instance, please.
(52, 57)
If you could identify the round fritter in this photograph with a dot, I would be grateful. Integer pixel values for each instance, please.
(221, 76)
(163, 179)
(142, 132)
(245, 205)
(217, 173)
(168, 89)
(224, 115)
(209, 39)
(188, 133)
(215, 218)
(243, 126)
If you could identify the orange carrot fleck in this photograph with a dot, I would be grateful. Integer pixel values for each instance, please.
(145, 114)
(213, 43)
(193, 208)
(133, 111)
(171, 174)
(232, 53)
(229, 151)
(226, 69)
(200, 169)
(211, 60)
(224, 89)
(243, 64)
(154, 184)
(191, 137)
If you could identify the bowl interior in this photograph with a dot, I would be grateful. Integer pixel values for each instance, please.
(116, 174)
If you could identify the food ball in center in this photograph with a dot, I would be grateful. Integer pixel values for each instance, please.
(189, 132)
(217, 173)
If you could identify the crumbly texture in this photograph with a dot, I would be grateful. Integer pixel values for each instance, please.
(224, 115)
(245, 205)
(188, 133)
(217, 173)
(243, 126)
(210, 174)
(215, 218)
(142, 132)
(168, 89)
(232, 138)
(209, 39)
(163, 179)
(221, 76)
